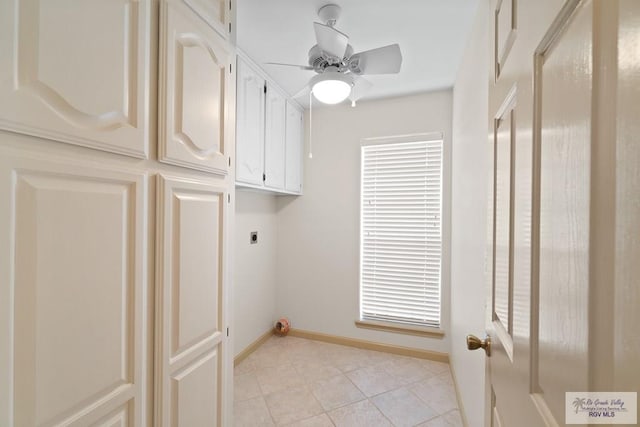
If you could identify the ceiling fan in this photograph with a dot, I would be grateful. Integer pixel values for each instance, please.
(338, 68)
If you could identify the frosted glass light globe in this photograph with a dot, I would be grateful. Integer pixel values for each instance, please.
(331, 87)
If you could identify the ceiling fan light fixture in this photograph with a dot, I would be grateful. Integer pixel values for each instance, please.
(331, 87)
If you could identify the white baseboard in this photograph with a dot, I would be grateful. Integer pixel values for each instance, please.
(369, 345)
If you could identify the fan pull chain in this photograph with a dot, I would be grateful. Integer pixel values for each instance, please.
(310, 122)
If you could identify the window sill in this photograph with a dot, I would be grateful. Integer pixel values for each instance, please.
(421, 331)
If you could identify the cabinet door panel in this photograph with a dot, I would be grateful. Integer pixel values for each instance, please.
(192, 395)
(274, 143)
(118, 418)
(196, 87)
(250, 126)
(293, 150)
(190, 341)
(72, 293)
(77, 72)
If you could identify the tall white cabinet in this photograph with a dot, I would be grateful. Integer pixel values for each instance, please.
(269, 134)
(114, 238)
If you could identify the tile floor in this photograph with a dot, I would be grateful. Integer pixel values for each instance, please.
(297, 382)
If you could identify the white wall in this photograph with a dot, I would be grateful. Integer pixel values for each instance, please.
(318, 240)
(468, 224)
(254, 288)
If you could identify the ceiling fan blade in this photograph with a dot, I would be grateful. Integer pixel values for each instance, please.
(330, 40)
(360, 87)
(302, 67)
(383, 60)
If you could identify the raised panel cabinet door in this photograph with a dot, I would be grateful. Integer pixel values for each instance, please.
(191, 355)
(293, 150)
(77, 72)
(274, 140)
(250, 125)
(73, 293)
(196, 92)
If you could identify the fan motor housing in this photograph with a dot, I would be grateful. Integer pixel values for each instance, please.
(320, 60)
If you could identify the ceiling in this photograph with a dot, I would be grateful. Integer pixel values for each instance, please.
(432, 35)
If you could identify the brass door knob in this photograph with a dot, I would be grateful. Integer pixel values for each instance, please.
(474, 343)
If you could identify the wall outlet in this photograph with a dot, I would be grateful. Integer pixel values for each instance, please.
(253, 239)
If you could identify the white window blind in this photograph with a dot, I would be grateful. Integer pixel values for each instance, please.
(400, 259)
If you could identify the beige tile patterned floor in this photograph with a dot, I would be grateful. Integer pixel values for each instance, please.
(297, 382)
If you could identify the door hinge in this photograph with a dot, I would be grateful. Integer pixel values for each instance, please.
(229, 26)
(227, 331)
(264, 177)
(265, 88)
(229, 161)
(229, 5)
(230, 68)
(228, 198)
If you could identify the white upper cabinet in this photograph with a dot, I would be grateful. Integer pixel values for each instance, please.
(77, 72)
(269, 135)
(195, 92)
(275, 133)
(250, 126)
(293, 150)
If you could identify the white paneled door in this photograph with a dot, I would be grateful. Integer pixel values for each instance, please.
(73, 293)
(563, 270)
(191, 336)
(77, 72)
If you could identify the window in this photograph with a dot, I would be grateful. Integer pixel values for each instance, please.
(400, 232)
